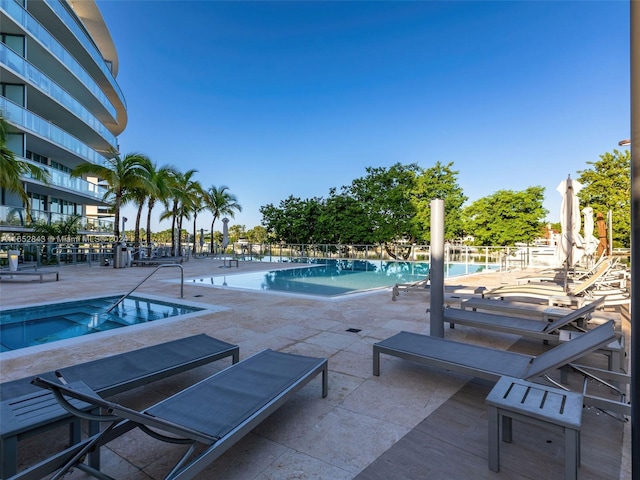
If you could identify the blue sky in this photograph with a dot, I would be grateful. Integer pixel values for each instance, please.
(293, 98)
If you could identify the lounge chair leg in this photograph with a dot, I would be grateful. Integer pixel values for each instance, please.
(494, 441)
(376, 361)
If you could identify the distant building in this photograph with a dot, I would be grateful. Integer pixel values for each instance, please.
(58, 91)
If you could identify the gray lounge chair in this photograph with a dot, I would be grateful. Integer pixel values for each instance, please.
(27, 410)
(214, 413)
(489, 363)
(549, 332)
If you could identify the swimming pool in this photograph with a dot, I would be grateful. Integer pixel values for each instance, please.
(37, 325)
(334, 278)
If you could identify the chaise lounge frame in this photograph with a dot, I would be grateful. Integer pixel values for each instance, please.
(491, 364)
(27, 410)
(216, 412)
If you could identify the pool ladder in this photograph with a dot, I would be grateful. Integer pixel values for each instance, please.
(147, 278)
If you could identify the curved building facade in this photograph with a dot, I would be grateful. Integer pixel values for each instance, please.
(59, 94)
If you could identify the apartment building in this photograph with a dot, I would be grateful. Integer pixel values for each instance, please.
(58, 92)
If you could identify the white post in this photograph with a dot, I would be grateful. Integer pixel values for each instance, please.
(436, 269)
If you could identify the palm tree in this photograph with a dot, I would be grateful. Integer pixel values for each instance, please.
(179, 204)
(197, 207)
(159, 180)
(123, 176)
(220, 202)
(12, 169)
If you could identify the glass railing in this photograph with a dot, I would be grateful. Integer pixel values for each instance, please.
(30, 24)
(88, 44)
(43, 128)
(78, 185)
(17, 217)
(38, 79)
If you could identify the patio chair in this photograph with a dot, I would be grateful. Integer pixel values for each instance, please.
(27, 410)
(558, 275)
(549, 332)
(526, 327)
(214, 413)
(491, 364)
(593, 287)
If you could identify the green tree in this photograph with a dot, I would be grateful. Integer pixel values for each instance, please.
(183, 193)
(12, 169)
(122, 175)
(257, 234)
(294, 221)
(385, 194)
(343, 220)
(506, 217)
(220, 202)
(607, 186)
(438, 182)
(159, 190)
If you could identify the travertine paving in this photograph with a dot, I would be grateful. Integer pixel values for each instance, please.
(309, 438)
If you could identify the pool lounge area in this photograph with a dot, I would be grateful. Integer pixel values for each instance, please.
(412, 422)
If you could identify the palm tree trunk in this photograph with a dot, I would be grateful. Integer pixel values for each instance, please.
(116, 219)
(150, 207)
(137, 232)
(212, 222)
(195, 214)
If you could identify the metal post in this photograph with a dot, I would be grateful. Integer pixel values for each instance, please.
(436, 269)
(635, 232)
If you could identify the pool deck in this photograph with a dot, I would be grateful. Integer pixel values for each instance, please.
(411, 422)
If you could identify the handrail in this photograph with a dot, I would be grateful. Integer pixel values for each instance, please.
(147, 277)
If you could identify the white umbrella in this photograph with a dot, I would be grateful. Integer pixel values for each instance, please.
(225, 233)
(590, 241)
(569, 249)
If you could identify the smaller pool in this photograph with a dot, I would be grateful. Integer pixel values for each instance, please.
(334, 278)
(29, 326)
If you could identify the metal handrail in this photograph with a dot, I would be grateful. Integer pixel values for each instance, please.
(147, 278)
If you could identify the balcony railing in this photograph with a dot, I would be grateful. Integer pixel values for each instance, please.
(30, 122)
(23, 68)
(78, 185)
(17, 217)
(31, 25)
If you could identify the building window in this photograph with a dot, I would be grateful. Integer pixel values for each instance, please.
(13, 92)
(14, 42)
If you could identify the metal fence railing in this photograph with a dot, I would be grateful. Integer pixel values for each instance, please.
(101, 253)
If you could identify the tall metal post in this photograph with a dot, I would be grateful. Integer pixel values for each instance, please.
(635, 235)
(436, 269)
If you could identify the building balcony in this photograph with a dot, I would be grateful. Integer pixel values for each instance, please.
(15, 219)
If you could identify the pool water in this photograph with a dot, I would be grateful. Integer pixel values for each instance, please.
(25, 327)
(333, 278)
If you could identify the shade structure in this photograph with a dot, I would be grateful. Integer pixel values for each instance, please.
(570, 247)
(225, 233)
(590, 241)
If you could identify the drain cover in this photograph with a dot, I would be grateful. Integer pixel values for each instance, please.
(353, 330)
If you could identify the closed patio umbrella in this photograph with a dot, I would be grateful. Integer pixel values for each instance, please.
(569, 249)
(225, 233)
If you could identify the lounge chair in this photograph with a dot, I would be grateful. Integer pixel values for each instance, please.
(27, 410)
(214, 413)
(549, 332)
(522, 326)
(558, 275)
(491, 364)
(575, 293)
